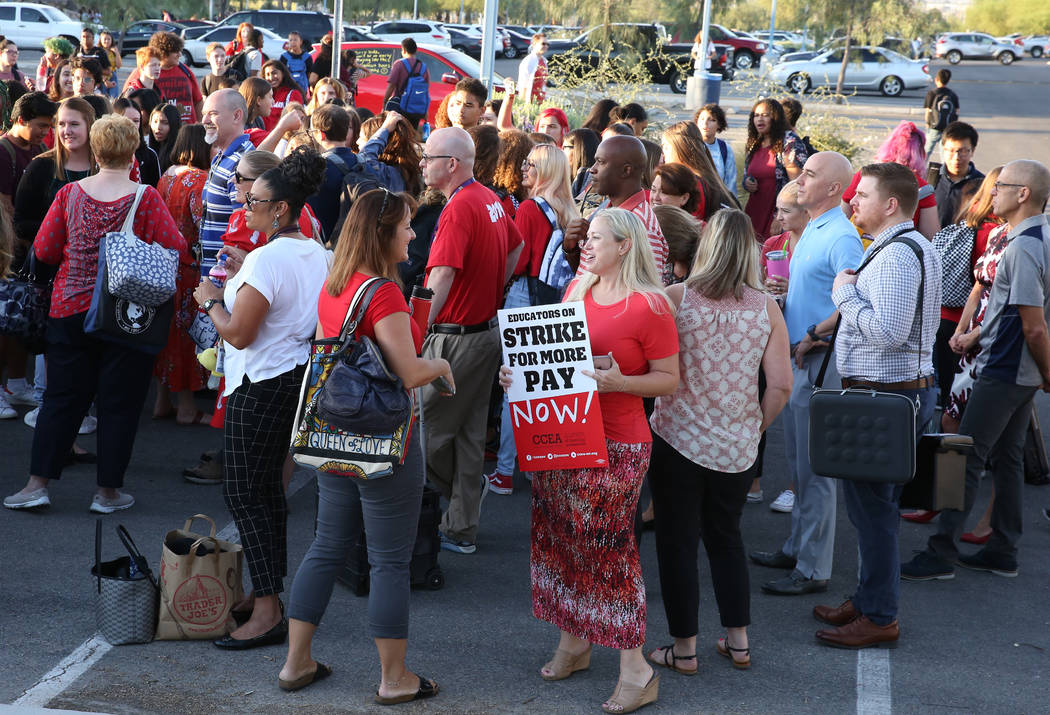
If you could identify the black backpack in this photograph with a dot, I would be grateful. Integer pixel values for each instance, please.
(943, 112)
(357, 181)
(237, 67)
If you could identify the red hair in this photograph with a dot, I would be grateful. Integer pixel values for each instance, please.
(557, 114)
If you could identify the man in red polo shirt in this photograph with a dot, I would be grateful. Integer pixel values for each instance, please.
(617, 173)
(472, 258)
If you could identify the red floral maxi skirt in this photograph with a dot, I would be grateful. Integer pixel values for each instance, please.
(586, 574)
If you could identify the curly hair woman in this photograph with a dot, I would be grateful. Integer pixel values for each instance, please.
(773, 156)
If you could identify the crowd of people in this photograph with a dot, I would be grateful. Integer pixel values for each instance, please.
(716, 315)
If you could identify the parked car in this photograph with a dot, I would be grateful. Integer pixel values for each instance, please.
(889, 42)
(630, 43)
(519, 44)
(478, 32)
(196, 51)
(467, 44)
(422, 31)
(29, 24)
(957, 46)
(352, 33)
(870, 68)
(788, 40)
(192, 32)
(137, 34)
(311, 25)
(746, 52)
(1032, 44)
(445, 65)
(520, 29)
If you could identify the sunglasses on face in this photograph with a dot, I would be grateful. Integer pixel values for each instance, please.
(240, 178)
(250, 201)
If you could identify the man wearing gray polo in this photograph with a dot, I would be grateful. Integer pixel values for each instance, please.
(829, 245)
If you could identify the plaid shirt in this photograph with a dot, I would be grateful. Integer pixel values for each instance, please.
(220, 199)
(878, 339)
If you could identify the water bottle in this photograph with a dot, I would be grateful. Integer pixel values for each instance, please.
(133, 570)
(419, 305)
(426, 130)
(217, 274)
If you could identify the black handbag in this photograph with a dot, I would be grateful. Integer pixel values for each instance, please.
(361, 395)
(859, 433)
(24, 305)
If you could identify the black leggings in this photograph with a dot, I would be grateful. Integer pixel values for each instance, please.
(692, 502)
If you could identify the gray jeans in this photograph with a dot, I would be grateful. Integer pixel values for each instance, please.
(387, 509)
(812, 539)
(996, 416)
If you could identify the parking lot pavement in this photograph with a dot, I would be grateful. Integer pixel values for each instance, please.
(978, 643)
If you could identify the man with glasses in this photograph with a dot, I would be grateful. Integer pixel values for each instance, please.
(224, 113)
(1014, 362)
(532, 71)
(958, 179)
(472, 258)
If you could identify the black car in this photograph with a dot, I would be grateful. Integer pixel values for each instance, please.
(467, 44)
(519, 44)
(311, 25)
(137, 34)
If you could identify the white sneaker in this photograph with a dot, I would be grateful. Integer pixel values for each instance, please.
(784, 503)
(102, 505)
(22, 397)
(6, 411)
(30, 418)
(88, 425)
(754, 497)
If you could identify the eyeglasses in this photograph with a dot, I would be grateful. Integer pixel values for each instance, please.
(526, 165)
(430, 157)
(250, 201)
(240, 179)
(1000, 185)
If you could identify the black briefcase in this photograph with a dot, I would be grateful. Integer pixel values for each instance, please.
(940, 474)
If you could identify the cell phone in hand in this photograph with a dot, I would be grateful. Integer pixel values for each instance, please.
(392, 105)
(602, 362)
(443, 387)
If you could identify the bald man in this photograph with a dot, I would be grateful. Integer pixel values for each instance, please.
(829, 245)
(619, 164)
(223, 117)
(472, 258)
(1013, 363)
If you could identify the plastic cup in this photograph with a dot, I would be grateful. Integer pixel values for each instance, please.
(777, 263)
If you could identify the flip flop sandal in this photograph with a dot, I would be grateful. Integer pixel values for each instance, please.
(427, 689)
(727, 650)
(669, 658)
(320, 673)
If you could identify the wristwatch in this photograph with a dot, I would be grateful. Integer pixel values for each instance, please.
(811, 331)
(207, 305)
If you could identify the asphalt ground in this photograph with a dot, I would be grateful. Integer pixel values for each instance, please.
(978, 643)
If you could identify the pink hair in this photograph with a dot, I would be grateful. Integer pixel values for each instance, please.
(906, 146)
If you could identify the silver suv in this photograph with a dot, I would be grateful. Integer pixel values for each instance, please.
(956, 46)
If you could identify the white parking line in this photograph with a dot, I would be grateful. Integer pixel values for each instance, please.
(874, 693)
(56, 680)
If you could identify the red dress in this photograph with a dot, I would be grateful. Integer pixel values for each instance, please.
(761, 204)
(177, 367)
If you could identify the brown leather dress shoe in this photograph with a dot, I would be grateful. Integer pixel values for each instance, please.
(861, 633)
(837, 615)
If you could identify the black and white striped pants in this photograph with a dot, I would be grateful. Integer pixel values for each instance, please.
(259, 417)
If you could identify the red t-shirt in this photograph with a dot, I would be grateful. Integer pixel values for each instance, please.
(281, 97)
(69, 238)
(536, 232)
(386, 301)
(635, 334)
(178, 86)
(924, 203)
(240, 236)
(474, 236)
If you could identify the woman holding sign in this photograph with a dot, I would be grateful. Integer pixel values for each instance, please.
(706, 434)
(586, 574)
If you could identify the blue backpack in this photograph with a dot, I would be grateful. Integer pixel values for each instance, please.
(296, 67)
(415, 99)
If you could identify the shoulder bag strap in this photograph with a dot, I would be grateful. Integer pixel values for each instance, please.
(819, 382)
(359, 305)
(133, 551)
(129, 220)
(548, 212)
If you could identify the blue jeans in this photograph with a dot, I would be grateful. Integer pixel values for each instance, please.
(517, 297)
(873, 510)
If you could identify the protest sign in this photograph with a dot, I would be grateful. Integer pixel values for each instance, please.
(554, 408)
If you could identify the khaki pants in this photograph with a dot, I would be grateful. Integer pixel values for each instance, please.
(455, 426)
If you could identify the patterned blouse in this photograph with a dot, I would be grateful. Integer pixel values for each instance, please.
(714, 417)
(73, 228)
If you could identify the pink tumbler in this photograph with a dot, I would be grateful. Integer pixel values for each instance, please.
(777, 263)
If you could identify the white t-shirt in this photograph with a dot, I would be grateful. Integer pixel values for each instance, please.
(289, 272)
(253, 61)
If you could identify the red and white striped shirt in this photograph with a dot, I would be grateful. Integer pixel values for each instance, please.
(639, 205)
